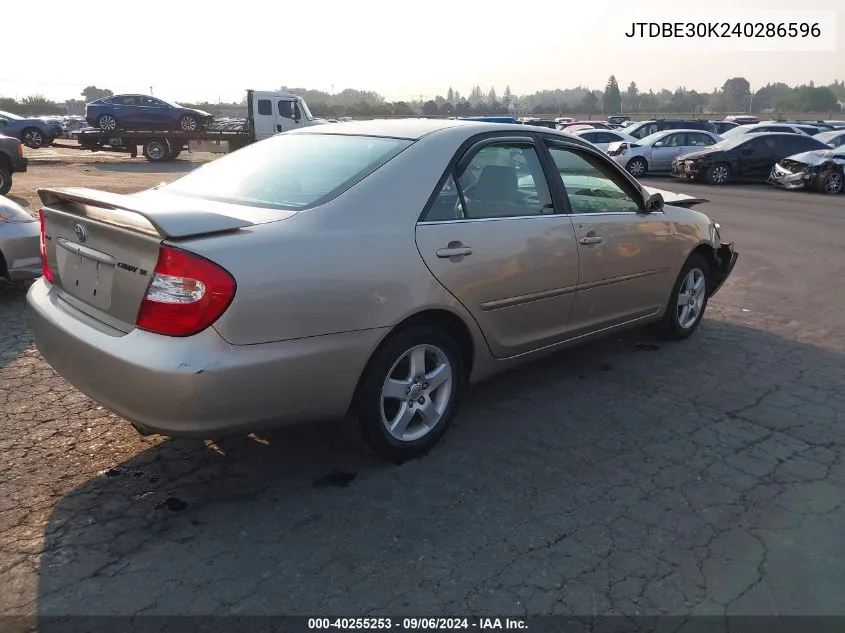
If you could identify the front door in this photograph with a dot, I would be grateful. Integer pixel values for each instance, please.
(757, 156)
(666, 150)
(625, 254)
(494, 239)
(288, 115)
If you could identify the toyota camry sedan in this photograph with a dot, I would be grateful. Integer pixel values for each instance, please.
(366, 272)
(655, 152)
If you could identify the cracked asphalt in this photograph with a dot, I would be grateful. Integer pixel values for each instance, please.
(628, 476)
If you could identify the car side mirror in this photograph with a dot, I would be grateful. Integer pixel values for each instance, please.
(654, 203)
(659, 144)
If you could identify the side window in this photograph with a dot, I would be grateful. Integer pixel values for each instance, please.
(593, 137)
(589, 185)
(265, 107)
(286, 109)
(606, 137)
(675, 140)
(699, 139)
(501, 180)
(130, 101)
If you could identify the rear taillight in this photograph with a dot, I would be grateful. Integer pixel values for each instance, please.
(186, 294)
(45, 265)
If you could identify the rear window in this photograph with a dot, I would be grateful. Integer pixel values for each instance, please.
(290, 171)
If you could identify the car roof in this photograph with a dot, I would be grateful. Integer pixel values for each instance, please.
(414, 129)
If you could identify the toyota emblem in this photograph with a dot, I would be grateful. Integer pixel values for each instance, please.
(81, 234)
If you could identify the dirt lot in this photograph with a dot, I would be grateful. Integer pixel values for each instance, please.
(627, 476)
(112, 171)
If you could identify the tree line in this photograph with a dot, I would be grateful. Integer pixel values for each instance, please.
(735, 95)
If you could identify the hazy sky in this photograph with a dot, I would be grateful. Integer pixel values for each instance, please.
(211, 51)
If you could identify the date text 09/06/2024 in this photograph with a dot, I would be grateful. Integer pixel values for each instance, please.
(417, 624)
(725, 30)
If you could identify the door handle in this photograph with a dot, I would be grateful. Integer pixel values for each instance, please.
(595, 239)
(454, 251)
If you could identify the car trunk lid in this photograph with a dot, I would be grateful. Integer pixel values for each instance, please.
(102, 248)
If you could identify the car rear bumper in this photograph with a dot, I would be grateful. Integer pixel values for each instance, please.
(198, 386)
(726, 257)
(20, 244)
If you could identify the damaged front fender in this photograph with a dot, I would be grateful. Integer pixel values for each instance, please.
(724, 259)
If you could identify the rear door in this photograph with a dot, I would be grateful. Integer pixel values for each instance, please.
(494, 237)
(263, 115)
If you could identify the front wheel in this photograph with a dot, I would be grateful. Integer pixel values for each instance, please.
(830, 182)
(408, 394)
(688, 300)
(157, 150)
(718, 174)
(189, 123)
(637, 167)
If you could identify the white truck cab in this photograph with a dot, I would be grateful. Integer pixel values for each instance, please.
(276, 112)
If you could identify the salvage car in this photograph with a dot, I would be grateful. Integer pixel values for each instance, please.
(641, 129)
(821, 170)
(144, 112)
(368, 272)
(33, 132)
(601, 138)
(723, 126)
(771, 126)
(834, 138)
(743, 157)
(11, 160)
(655, 153)
(20, 242)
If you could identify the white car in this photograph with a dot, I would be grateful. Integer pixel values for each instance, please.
(603, 138)
(834, 138)
(789, 128)
(657, 151)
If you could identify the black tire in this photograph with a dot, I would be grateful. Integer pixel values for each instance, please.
(672, 326)
(5, 181)
(157, 150)
(365, 424)
(33, 138)
(189, 123)
(175, 149)
(637, 167)
(107, 122)
(718, 174)
(830, 182)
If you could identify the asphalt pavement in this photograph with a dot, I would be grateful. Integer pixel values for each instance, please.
(626, 476)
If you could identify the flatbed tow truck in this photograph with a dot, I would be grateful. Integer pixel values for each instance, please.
(268, 113)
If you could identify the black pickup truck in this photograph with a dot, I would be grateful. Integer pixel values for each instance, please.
(11, 160)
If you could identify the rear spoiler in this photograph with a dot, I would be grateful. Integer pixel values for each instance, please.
(163, 215)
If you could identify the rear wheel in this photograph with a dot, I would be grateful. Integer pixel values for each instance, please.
(107, 122)
(408, 394)
(157, 150)
(688, 300)
(830, 182)
(175, 149)
(32, 137)
(637, 167)
(5, 181)
(718, 174)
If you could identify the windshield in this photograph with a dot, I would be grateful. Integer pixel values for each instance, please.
(290, 171)
(9, 115)
(305, 110)
(739, 130)
(651, 139)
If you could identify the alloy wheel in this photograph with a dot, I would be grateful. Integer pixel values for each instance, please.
(416, 392)
(691, 297)
(833, 183)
